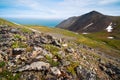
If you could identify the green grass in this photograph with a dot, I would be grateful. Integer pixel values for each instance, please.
(101, 43)
(2, 64)
(9, 75)
(53, 49)
(25, 30)
(5, 22)
(18, 44)
(18, 37)
(51, 61)
(71, 67)
(102, 37)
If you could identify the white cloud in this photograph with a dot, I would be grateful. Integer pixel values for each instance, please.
(104, 2)
(59, 9)
(28, 3)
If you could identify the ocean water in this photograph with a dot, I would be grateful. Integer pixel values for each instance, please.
(42, 22)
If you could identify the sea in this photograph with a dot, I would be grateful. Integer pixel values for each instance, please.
(40, 22)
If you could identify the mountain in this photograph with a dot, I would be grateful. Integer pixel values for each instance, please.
(90, 22)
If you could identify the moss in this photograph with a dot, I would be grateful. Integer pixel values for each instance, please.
(9, 75)
(2, 64)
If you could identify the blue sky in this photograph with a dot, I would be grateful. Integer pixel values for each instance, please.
(56, 9)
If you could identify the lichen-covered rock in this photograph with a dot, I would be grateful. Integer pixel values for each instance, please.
(34, 66)
(84, 74)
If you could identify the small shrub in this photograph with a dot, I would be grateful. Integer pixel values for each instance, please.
(18, 44)
(51, 48)
(51, 61)
(71, 67)
(17, 36)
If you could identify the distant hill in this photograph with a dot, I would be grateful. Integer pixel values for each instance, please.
(90, 22)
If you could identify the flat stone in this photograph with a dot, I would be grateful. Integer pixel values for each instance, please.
(55, 71)
(35, 66)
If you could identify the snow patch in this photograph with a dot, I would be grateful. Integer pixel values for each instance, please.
(110, 37)
(109, 28)
(88, 25)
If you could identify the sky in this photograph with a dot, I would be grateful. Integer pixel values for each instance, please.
(56, 9)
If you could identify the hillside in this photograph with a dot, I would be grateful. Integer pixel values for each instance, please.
(90, 22)
(42, 53)
(93, 25)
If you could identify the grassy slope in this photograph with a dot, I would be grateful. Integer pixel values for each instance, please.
(110, 46)
(5, 22)
(80, 39)
(102, 36)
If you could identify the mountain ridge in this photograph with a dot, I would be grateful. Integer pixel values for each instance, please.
(99, 22)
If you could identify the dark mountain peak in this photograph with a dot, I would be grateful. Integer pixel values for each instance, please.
(94, 13)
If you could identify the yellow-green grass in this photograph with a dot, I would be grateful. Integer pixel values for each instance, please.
(5, 22)
(96, 41)
(102, 36)
(81, 39)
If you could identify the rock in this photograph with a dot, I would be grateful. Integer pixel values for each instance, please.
(50, 37)
(17, 51)
(1, 57)
(44, 40)
(85, 74)
(64, 45)
(11, 64)
(70, 50)
(65, 63)
(1, 70)
(46, 53)
(56, 43)
(17, 58)
(23, 58)
(34, 54)
(39, 57)
(61, 53)
(111, 70)
(34, 66)
(31, 77)
(14, 31)
(37, 48)
(55, 71)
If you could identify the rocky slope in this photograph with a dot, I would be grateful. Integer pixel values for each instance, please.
(90, 22)
(27, 54)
